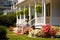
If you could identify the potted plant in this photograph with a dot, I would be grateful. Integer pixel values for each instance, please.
(38, 8)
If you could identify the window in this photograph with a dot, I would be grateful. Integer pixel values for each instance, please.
(6, 3)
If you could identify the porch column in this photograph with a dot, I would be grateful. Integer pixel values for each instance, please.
(44, 10)
(24, 14)
(35, 12)
(20, 14)
(19, 17)
(17, 20)
(29, 14)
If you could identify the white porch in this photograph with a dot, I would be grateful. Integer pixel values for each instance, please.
(41, 19)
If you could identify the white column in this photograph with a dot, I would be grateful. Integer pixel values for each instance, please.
(19, 20)
(35, 13)
(44, 10)
(16, 17)
(20, 14)
(16, 20)
(24, 17)
(29, 14)
(24, 14)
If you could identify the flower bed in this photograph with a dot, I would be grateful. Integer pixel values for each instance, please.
(48, 31)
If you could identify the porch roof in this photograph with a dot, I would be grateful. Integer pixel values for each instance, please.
(26, 2)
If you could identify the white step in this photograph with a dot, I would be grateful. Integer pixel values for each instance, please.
(38, 26)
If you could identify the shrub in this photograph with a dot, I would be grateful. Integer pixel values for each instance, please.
(7, 20)
(48, 31)
(45, 28)
(58, 32)
(34, 33)
(52, 31)
(1, 12)
(3, 32)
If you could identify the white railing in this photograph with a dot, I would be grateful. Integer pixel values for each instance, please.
(31, 21)
(39, 21)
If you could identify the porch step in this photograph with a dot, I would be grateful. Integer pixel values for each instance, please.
(39, 25)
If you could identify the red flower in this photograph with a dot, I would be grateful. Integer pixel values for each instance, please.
(45, 28)
(52, 31)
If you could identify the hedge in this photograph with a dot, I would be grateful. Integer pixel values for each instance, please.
(3, 32)
(8, 20)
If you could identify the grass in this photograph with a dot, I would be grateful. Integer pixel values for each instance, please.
(9, 32)
(25, 37)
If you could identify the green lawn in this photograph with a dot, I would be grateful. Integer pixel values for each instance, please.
(25, 37)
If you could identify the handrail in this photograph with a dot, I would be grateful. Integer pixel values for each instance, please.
(34, 19)
(30, 21)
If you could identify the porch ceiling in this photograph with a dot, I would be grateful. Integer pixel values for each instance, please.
(26, 2)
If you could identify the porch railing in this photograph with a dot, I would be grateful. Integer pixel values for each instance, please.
(37, 23)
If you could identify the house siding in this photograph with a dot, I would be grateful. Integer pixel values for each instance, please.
(55, 20)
